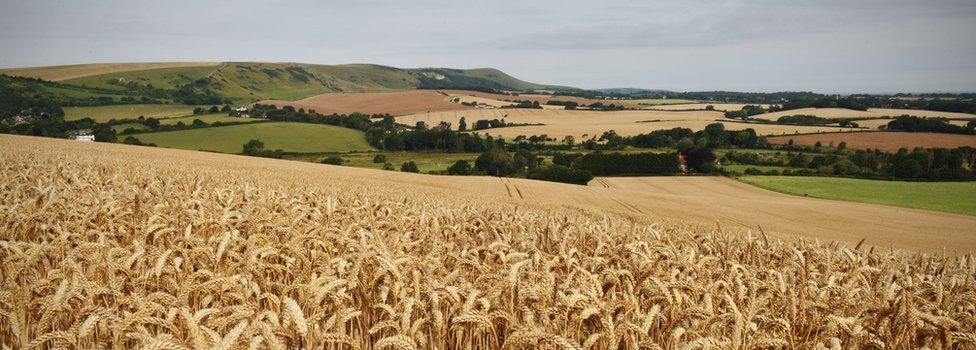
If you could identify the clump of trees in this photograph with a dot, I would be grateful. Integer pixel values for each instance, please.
(409, 167)
(601, 164)
(570, 105)
(333, 160)
(746, 112)
(132, 140)
(910, 123)
(524, 104)
(560, 173)
(713, 136)
(919, 164)
(256, 148)
(460, 167)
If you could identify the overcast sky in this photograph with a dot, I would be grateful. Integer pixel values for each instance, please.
(837, 46)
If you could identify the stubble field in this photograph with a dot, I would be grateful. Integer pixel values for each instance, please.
(560, 123)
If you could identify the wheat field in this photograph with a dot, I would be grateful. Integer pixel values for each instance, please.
(117, 247)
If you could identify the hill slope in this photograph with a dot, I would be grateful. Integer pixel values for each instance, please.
(134, 247)
(252, 81)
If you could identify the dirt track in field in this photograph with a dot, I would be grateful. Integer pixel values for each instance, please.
(883, 140)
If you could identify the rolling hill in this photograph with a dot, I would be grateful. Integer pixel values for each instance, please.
(243, 82)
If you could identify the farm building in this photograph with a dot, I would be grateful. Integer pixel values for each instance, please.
(83, 137)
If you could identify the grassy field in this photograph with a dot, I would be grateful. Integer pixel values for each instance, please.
(121, 127)
(103, 114)
(950, 197)
(208, 118)
(165, 78)
(290, 137)
(426, 161)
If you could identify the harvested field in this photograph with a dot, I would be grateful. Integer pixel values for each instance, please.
(701, 106)
(883, 140)
(396, 103)
(120, 246)
(479, 100)
(875, 123)
(559, 123)
(58, 73)
(500, 97)
(871, 113)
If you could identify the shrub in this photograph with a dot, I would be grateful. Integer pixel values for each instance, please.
(334, 160)
(379, 158)
(409, 167)
(461, 167)
(752, 171)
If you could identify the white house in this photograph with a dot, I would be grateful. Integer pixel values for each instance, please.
(83, 137)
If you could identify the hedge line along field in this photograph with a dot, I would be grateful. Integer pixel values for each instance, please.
(560, 123)
(871, 113)
(702, 106)
(114, 246)
(103, 114)
(950, 197)
(290, 137)
(209, 119)
(884, 140)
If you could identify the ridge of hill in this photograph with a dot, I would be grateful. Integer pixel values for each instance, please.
(254, 81)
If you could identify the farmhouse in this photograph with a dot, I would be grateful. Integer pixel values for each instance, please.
(82, 136)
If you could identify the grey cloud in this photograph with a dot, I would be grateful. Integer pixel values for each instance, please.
(830, 46)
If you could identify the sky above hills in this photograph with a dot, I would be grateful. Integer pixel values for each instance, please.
(831, 46)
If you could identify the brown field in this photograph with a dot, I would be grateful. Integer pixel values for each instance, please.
(689, 106)
(481, 100)
(500, 97)
(58, 73)
(870, 113)
(396, 103)
(883, 140)
(559, 123)
(114, 246)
